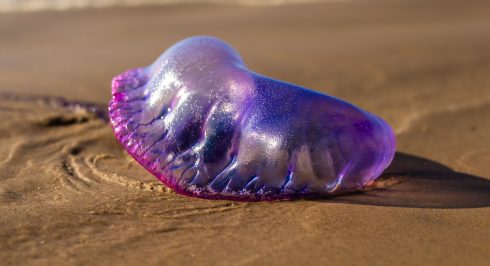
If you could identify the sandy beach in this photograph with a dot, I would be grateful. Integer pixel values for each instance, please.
(70, 195)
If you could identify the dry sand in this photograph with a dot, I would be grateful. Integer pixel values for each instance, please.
(70, 195)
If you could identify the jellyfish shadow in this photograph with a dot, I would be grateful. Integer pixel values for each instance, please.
(416, 182)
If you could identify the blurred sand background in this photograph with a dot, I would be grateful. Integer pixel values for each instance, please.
(69, 194)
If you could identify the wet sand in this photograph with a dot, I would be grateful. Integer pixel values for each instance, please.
(69, 194)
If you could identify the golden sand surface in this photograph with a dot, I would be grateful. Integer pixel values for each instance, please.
(70, 195)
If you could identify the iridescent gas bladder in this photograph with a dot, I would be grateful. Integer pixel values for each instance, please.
(206, 126)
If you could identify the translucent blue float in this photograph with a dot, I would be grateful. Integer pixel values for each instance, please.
(208, 127)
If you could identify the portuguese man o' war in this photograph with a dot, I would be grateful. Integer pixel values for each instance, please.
(208, 127)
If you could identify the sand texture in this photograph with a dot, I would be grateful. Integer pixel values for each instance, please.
(70, 195)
